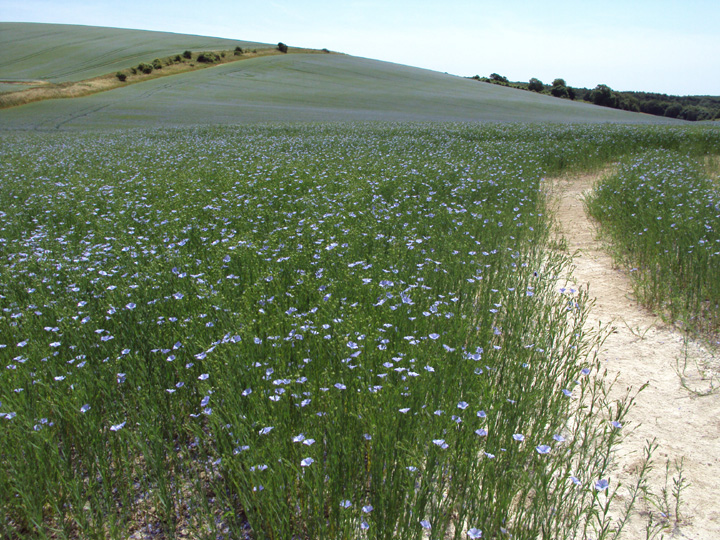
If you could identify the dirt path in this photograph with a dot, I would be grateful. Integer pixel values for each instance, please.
(641, 349)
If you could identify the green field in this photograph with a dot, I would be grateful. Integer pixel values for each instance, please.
(305, 88)
(328, 331)
(59, 53)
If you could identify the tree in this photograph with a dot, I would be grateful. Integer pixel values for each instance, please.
(536, 85)
(604, 96)
(559, 82)
(498, 78)
(673, 110)
(559, 91)
(282, 47)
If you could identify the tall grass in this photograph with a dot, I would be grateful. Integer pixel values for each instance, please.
(662, 212)
(315, 332)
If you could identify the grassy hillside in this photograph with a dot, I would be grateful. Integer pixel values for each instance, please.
(59, 53)
(305, 88)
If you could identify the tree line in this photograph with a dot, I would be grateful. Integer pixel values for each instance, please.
(691, 108)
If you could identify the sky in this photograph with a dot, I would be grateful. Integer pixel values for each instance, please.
(664, 46)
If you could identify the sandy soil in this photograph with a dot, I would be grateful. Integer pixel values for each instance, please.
(642, 349)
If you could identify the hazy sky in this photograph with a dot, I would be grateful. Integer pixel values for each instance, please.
(664, 46)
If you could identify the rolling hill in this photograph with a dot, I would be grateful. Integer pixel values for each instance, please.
(60, 52)
(284, 88)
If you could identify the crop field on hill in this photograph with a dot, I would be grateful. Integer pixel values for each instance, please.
(321, 331)
(59, 53)
(306, 88)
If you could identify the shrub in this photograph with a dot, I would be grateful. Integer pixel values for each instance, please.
(133, 71)
(282, 47)
(187, 54)
(326, 51)
(535, 85)
(145, 68)
(178, 58)
(157, 64)
(208, 58)
(121, 76)
(238, 50)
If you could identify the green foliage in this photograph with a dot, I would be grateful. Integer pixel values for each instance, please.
(498, 78)
(121, 76)
(536, 85)
(559, 91)
(282, 47)
(673, 111)
(238, 51)
(187, 55)
(157, 64)
(145, 68)
(208, 57)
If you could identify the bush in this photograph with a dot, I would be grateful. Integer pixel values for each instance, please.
(535, 85)
(178, 58)
(121, 76)
(157, 64)
(187, 54)
(208, 58)
(145, 68)
(238, 50)
(559, 91)
(326, 51)
(133, 71)
(282, 47)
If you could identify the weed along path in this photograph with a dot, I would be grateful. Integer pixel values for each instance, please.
(671, 409)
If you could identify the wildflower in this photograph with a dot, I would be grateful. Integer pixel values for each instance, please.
(559, 438)
(367, 509)
(463, 405)
(575, 480)
(307, 462)
(266, 430)
(481, 432)
(204, 377)
(519, 437)
(441, 443)
(345, 504)
(602, 485)
(425, 524)
(117, 427)
(474, 533)
(543, 449)
(85, 408)
(616, 424)
(404, 411)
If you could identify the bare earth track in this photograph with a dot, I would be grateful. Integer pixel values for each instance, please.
(642, 349)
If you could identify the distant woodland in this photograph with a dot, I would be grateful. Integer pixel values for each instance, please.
(693, 108)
